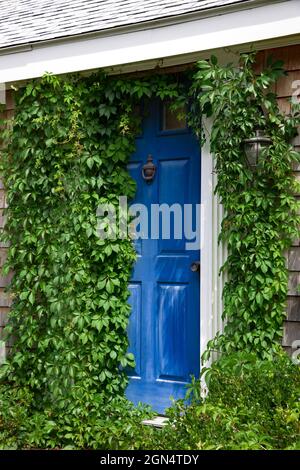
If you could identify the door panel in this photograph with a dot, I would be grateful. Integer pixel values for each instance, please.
(171, 330)
(164, 328)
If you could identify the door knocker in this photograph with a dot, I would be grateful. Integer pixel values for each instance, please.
(149, 170)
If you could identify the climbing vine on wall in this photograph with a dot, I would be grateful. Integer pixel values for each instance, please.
(261, 213)
(67, 153)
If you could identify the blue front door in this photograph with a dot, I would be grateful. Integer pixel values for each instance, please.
(164, 328)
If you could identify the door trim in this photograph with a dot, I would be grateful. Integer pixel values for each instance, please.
(212, 255)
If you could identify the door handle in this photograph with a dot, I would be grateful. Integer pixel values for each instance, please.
(195, 266)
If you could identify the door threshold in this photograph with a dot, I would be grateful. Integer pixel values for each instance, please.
(157, 422)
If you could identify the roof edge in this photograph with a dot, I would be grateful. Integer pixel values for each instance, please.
(144, 25)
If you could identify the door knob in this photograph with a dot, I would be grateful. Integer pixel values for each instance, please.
(195, 266)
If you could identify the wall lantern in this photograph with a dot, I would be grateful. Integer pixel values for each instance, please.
(254, 146)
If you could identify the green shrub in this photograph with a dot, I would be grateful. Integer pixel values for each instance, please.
(14, 406)
(252, 404)
(103, 424)
(85, 422)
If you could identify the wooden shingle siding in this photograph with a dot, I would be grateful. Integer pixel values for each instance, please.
(291, 333)
(3, 319)
(293, 305)
(285, 88)
(284, 105)
(3, 316)
(294, 259)
(5, 298)
(294, 282)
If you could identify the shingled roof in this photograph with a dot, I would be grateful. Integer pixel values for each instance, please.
(29, 21)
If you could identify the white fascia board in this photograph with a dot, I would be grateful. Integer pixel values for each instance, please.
(230, 29)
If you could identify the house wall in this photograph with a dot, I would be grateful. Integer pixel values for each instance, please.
(285, 88)
(5, 299)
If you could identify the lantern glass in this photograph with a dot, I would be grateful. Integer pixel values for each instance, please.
(251, 150)
(254, 147)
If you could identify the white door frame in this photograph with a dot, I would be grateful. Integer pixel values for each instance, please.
(213, 254)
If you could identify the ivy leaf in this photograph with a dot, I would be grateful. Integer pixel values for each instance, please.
(113, 354)
(31, 298)
(24, 295)
(90, 162)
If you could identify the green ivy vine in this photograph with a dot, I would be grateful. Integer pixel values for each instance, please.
(261, 213)
(66, 152)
